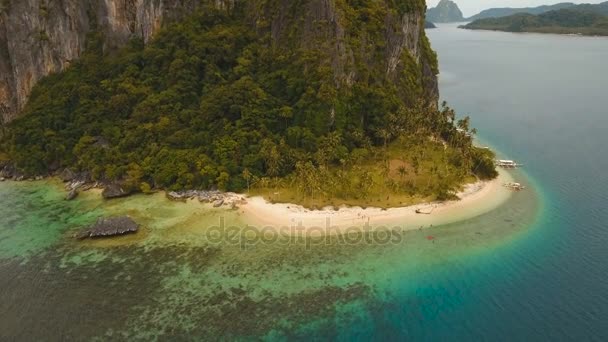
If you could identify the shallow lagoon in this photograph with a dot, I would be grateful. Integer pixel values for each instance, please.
(174, 280)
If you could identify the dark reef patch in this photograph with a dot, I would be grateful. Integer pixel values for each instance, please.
(140, 293)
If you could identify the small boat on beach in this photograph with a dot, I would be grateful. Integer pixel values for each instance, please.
(426, 211)
(514, 186)
(507, 164)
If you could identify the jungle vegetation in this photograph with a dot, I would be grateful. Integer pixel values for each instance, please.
(211, 103)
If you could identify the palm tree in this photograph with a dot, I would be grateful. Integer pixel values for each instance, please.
(464, 123)
(312, 180)
(3, 112)
(402, 171)
(247, 176)
(385, 134)
(273, 162)
(416, 166)
(366, 181)
(264, 182)
(307, 177)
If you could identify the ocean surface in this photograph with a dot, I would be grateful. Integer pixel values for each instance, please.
(535, 268)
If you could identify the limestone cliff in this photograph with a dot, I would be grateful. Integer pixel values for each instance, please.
(39, 37)
(446, 11)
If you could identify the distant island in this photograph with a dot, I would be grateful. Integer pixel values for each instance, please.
(583, 19)
(429, 25)
(507, 11)
(446, 12)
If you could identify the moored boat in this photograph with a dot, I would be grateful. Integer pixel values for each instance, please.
(514, 186)
(507, 164)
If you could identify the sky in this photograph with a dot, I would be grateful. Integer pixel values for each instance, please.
(472, 7)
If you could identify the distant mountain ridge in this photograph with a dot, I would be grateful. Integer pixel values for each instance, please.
(585, 19)
(601, 8)
(507, 11)
(446, 12)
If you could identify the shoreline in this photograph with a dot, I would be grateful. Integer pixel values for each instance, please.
(538, 33)
(476, 199)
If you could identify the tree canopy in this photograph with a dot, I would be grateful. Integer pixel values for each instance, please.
(212, 103)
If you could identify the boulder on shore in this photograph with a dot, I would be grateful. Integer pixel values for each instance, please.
(114, 190)
(8, 171)
(67, 175)
(71, 195)
(108, 227)
(176, 196)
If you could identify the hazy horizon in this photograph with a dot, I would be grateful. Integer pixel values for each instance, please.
(472, 7)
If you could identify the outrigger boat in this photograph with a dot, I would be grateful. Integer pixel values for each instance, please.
(426, 211)
(514, 186)
(507, 164)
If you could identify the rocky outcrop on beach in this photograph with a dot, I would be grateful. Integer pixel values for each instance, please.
(71, 195)
(108, 227)
(215, 197)
(75, 182)
(9, 171)
(67, 175)
(115, 190)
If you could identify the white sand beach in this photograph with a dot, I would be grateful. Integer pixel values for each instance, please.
(476, 199)
(291, 219)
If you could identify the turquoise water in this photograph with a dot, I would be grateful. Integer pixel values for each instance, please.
(540, 100)
(533, 269)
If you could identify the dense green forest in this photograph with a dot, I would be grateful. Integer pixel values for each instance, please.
(210, 102)
(583, 19)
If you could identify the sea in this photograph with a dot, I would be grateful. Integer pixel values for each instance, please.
(533, 269)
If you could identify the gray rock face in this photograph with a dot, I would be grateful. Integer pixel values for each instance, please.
(6, 171)
(446, 11)
(71, 195)
(67, 175)
(177, 196)
(107, 227)
(114, 190)
(10, 172)
(39, 37)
